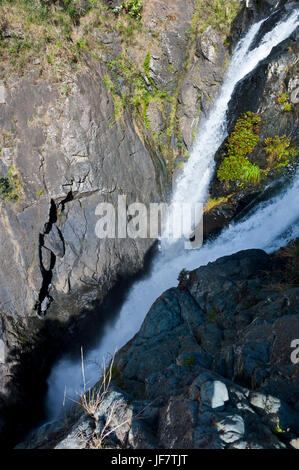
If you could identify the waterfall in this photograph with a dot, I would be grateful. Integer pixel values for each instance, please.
(270, 225)
(194, 182)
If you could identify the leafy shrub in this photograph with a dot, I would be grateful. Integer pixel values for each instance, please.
(234, 168)
(288, 107)
(284, 98)
(214, 202)
(279, 151)
(244, 137)
(242, 141)
(190, 361)
(219, 14)
(133, 8)
(10, 186)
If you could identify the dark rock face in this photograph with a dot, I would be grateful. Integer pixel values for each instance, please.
(209, 368)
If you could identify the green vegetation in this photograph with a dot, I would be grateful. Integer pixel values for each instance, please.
(244, 137)
(141, 89)
(40, 193)
(10, 187)
(236, 167)
(283, 101)
(240, 170)
(287, 107)
(57, 33)
(146, 63)
(212, 316)
(39, 28)
(214, 202)
(54, 36)
(190, 361)
(131, 7)
(118, 101)
(217, 13)
(277, 429)
(279, 151)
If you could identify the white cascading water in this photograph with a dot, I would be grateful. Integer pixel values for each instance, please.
(195, 179)
(272, 224)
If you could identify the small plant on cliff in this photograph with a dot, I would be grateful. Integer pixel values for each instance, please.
(212, 316)
(146, 63)
(131, 7)
(279, 151)
(242, 141)
(277, 429)
(190, 361)
(92, 400)
(214, 202)
(10, 186)
(134, 7)
(238, 169)
(244, 137)
(217, 13)
(283, 99)
(287, 107)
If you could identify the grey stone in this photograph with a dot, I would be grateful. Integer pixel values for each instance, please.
(208, 44)
(2, 93)
(295, 443)
(46, 258)
(231, 428)
(53, 242)
(2, 352)
(214, 394)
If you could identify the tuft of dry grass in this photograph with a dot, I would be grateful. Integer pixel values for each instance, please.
(215, 202)
(91, 401)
